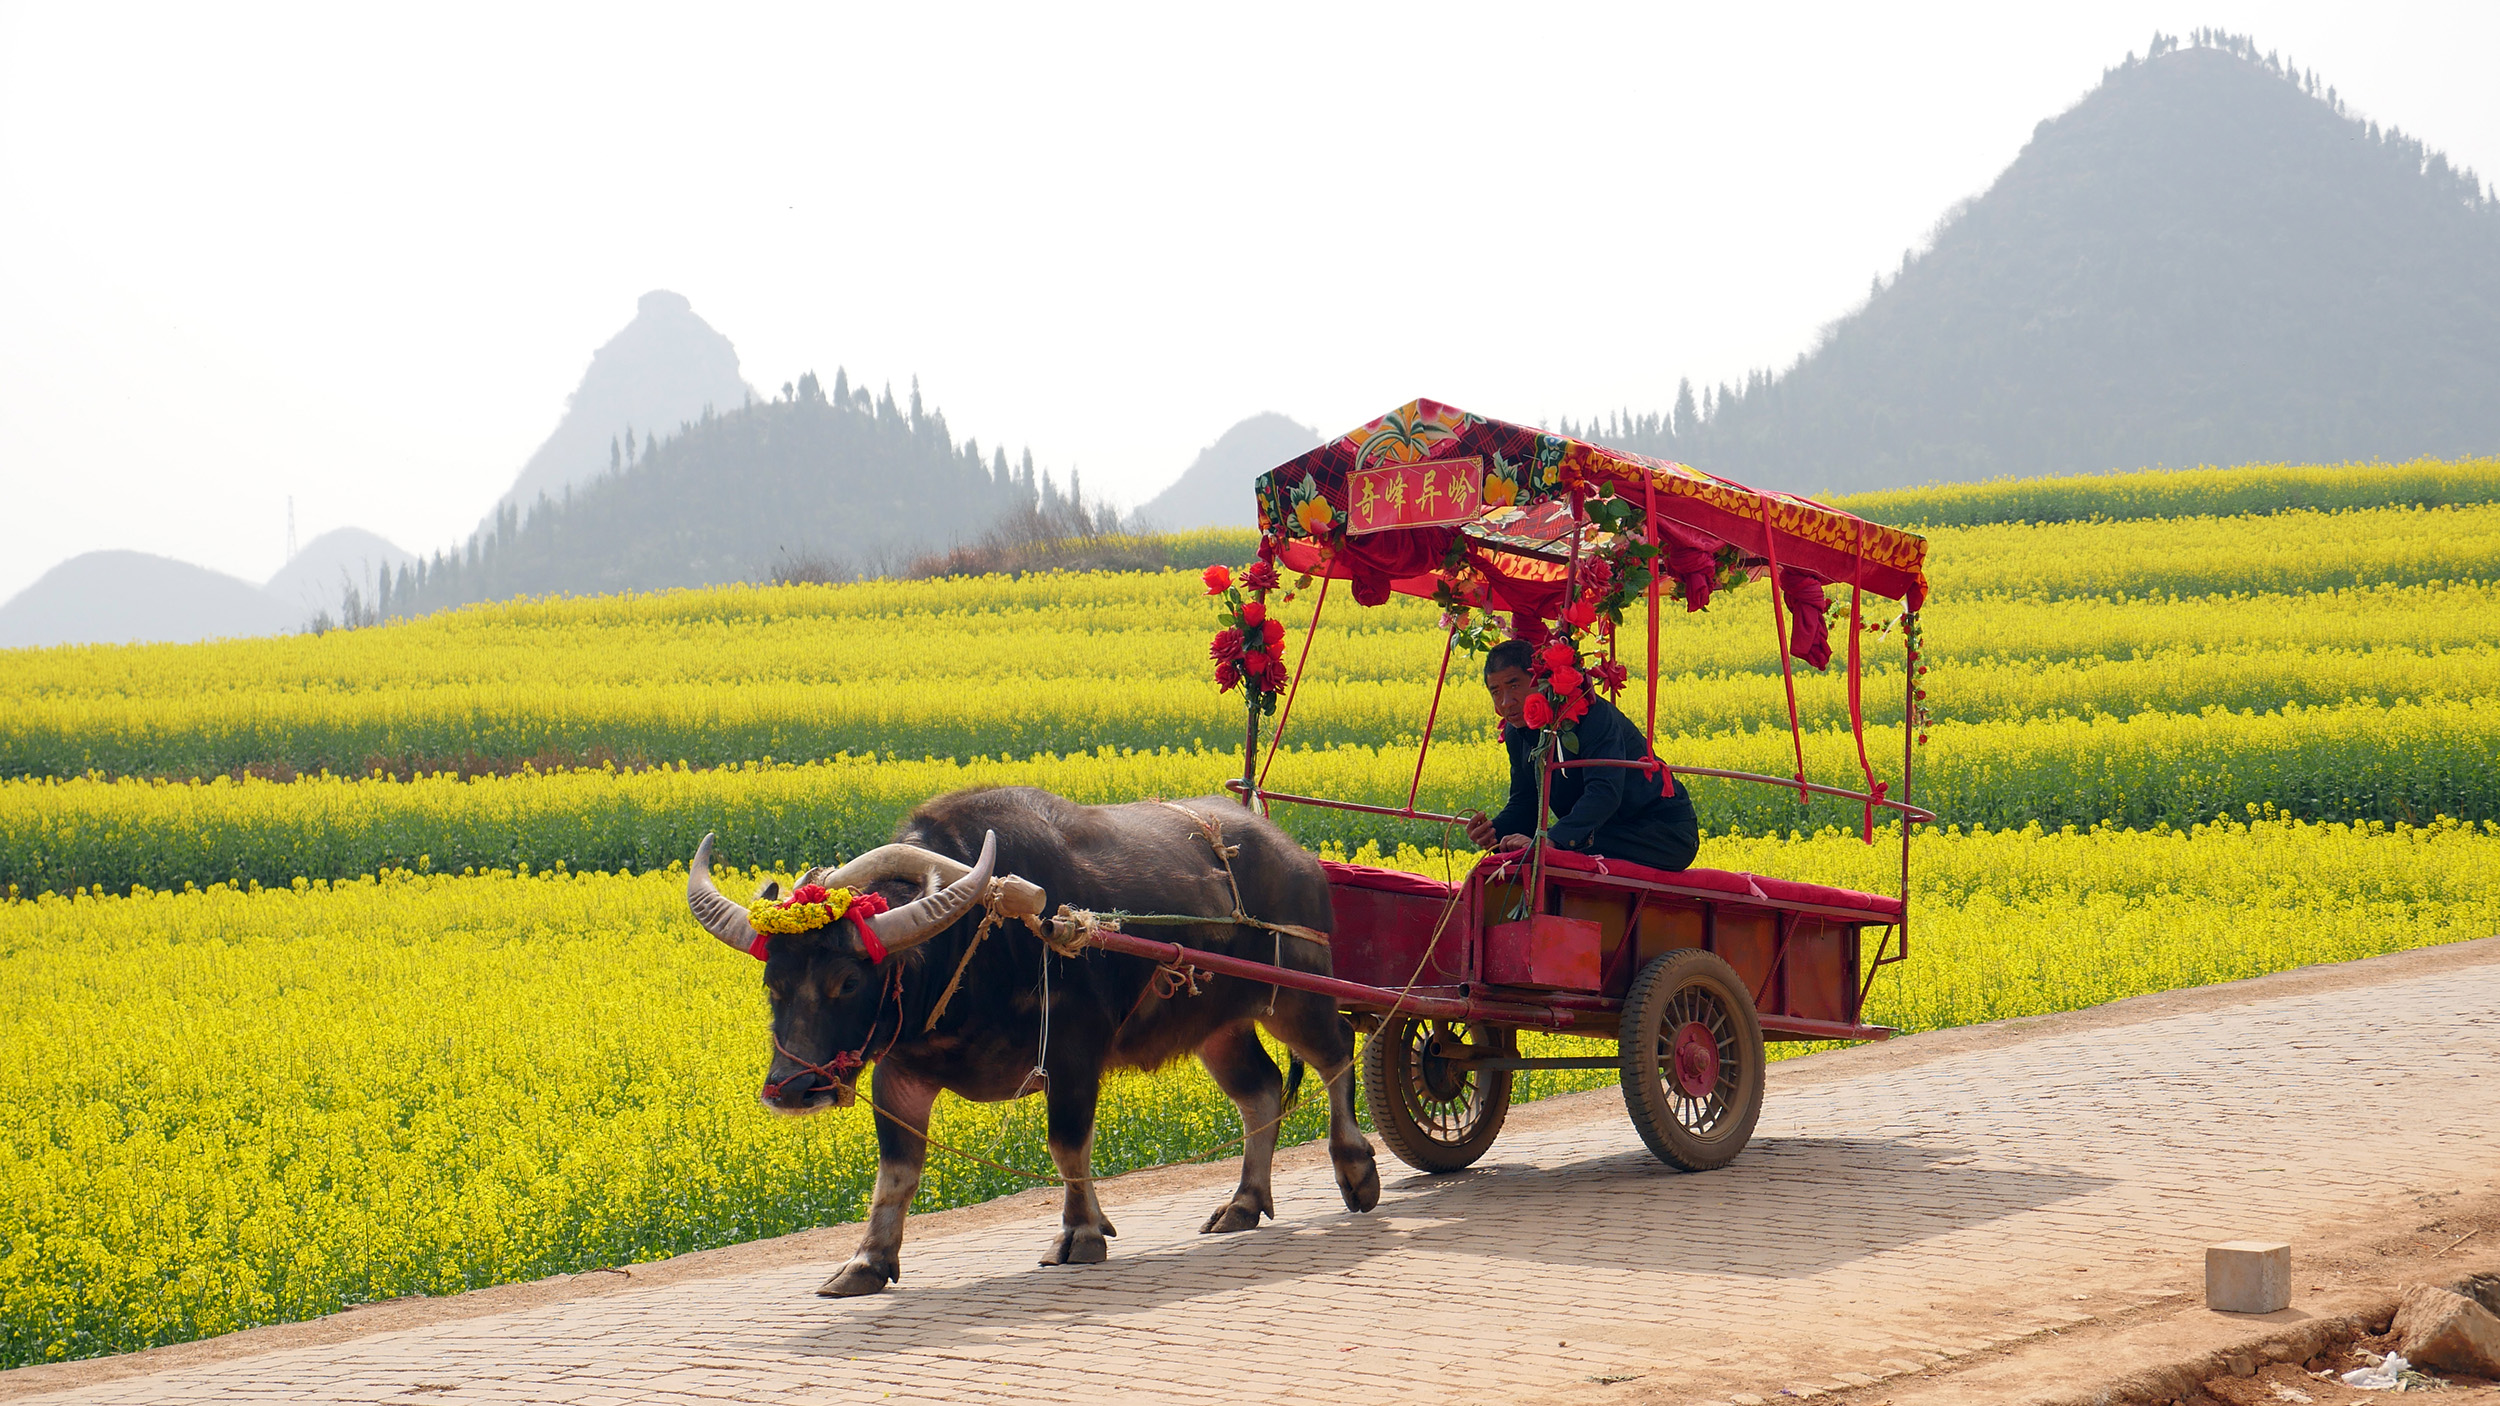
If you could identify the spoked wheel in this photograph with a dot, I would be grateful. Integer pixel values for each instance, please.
(1692, 1060)
(1434, 1116)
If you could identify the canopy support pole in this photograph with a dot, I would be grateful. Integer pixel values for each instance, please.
(1250, 754)
(1857, 712)
(1657, 568)
(1779, 626)
(1309, 633)
(1447, 645)
(1909, 742)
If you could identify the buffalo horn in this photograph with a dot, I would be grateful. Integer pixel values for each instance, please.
(1017, 897)
(716, 911)
(921, 919)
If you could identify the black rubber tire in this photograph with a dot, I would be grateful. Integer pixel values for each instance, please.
(1690, 1132)
(1428, 1131)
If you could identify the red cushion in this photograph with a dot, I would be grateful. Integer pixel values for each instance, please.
(1363, 876)
(1723, 881)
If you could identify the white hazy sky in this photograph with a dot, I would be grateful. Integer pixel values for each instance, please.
(360, 254)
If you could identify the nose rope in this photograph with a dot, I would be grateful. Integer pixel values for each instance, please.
(849, 1060)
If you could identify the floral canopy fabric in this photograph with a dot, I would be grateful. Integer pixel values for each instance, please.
(1428, 490)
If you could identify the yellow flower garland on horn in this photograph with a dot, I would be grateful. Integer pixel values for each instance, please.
(791, 915)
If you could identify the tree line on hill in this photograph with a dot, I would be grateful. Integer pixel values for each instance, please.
(813, 484)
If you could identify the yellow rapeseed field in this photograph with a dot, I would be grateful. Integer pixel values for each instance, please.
(1057, 663)
(337, 968)
(226, 1108)
(2365, 760)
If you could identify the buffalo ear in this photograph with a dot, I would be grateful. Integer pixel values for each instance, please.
(770, 891)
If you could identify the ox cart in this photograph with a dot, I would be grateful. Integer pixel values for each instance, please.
(1689, 972)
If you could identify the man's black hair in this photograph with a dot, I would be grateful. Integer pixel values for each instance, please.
(1509, 654)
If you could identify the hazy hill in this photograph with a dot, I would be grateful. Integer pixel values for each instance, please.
(119, 597)
(824, 483)
(135, 597)
(2207, 260)
(330, 566)
(665, 369)
(1215, 489)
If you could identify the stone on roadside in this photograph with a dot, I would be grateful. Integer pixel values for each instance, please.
(2446, 1330)
(2248, 1276)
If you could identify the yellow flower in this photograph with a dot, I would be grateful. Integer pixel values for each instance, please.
(1499, 491)
(1315, 515)
(770, 917)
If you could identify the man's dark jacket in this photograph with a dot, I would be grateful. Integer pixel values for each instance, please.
(1618, 811)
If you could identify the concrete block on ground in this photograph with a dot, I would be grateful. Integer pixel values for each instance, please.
(2248, 1276)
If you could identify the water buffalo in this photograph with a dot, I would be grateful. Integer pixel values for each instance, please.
(837, 1005)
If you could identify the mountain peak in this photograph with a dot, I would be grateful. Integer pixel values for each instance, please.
(2206, 260)
(1214, 491)
(657, 373)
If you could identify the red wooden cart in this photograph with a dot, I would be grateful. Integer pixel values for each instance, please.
(1688, 972)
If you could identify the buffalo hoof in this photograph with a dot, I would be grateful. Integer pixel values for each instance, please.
(1235, 1215)
(855, 1280)
(1077, 1244)
(1359, 1183)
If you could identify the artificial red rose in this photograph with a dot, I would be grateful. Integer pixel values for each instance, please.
(1253, 613)
(1610, 676)
(1227, 644)
(1536, 712)
(1564, 682)
(1579, 615)
(1276, 678)
(1575, 708)
(808, 893)
(1254, 664)
(1559, 655)
(1219, 579)
(1227, 676)
(1259, 576)
(1596, 577)
(1274, 633)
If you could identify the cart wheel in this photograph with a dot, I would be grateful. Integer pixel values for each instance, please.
(1436, 1118)
(1692, 1060)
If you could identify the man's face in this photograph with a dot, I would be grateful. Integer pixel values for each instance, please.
(1509, 688)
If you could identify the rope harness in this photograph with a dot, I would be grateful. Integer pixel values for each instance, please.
(850, 1061)
(1068, 933)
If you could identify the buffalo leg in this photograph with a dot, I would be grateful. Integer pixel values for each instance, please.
(1247, 1076)
(901, 1153)
(1082, 1225)
(1309, 1026)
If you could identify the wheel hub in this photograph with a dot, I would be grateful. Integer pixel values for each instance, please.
(1694, 1055)
(1440, 1080)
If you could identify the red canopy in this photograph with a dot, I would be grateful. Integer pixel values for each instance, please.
(1392, 505)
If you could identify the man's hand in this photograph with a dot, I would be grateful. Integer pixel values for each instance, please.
(1480, 830)
(1513, 842)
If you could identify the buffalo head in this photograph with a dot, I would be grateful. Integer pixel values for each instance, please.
(829, 986)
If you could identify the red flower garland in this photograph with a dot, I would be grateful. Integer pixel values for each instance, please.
(1248, 651)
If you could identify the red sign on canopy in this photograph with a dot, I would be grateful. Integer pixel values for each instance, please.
(1432, 493)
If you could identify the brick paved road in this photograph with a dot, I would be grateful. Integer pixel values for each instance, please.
(1881, 1220)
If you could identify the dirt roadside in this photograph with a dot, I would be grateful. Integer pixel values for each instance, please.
(2347, 1278)
(830, 1245)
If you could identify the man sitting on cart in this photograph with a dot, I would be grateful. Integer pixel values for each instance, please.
(1616, 812)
